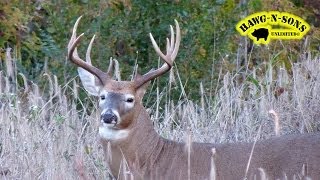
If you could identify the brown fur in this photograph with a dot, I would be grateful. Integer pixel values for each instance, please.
(150, 156)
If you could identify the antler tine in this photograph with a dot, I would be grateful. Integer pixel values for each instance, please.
(171, 45)
(156, 47)
(88, 54)
(88, 58)
(73, 55)
(172, 48)
(111, 67)
(178, 39)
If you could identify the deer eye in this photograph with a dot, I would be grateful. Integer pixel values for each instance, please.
(129, 100)
(103, 97)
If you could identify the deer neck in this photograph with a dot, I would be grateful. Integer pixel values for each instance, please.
(142, 141)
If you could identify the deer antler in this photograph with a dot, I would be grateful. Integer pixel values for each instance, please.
(172, 50)
(74, 57)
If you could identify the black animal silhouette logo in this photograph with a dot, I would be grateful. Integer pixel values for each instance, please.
(261, 33)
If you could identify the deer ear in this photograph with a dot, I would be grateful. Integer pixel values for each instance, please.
(91, 84)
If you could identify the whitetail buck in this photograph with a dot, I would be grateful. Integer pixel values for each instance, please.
(126, 125)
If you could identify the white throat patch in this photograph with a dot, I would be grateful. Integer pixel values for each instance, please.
(112, 134)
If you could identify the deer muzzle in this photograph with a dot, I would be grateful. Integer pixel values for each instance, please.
(109, 117)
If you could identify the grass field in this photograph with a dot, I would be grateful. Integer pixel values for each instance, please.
(50, 133)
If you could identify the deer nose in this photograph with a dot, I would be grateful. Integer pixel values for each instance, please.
(109, 117)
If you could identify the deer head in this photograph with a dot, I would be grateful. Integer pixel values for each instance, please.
(120, 101)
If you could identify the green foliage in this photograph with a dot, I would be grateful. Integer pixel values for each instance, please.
(255, 5)
(39, 31)
(13, 23)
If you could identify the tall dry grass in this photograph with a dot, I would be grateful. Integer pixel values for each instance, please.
(50, 133)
